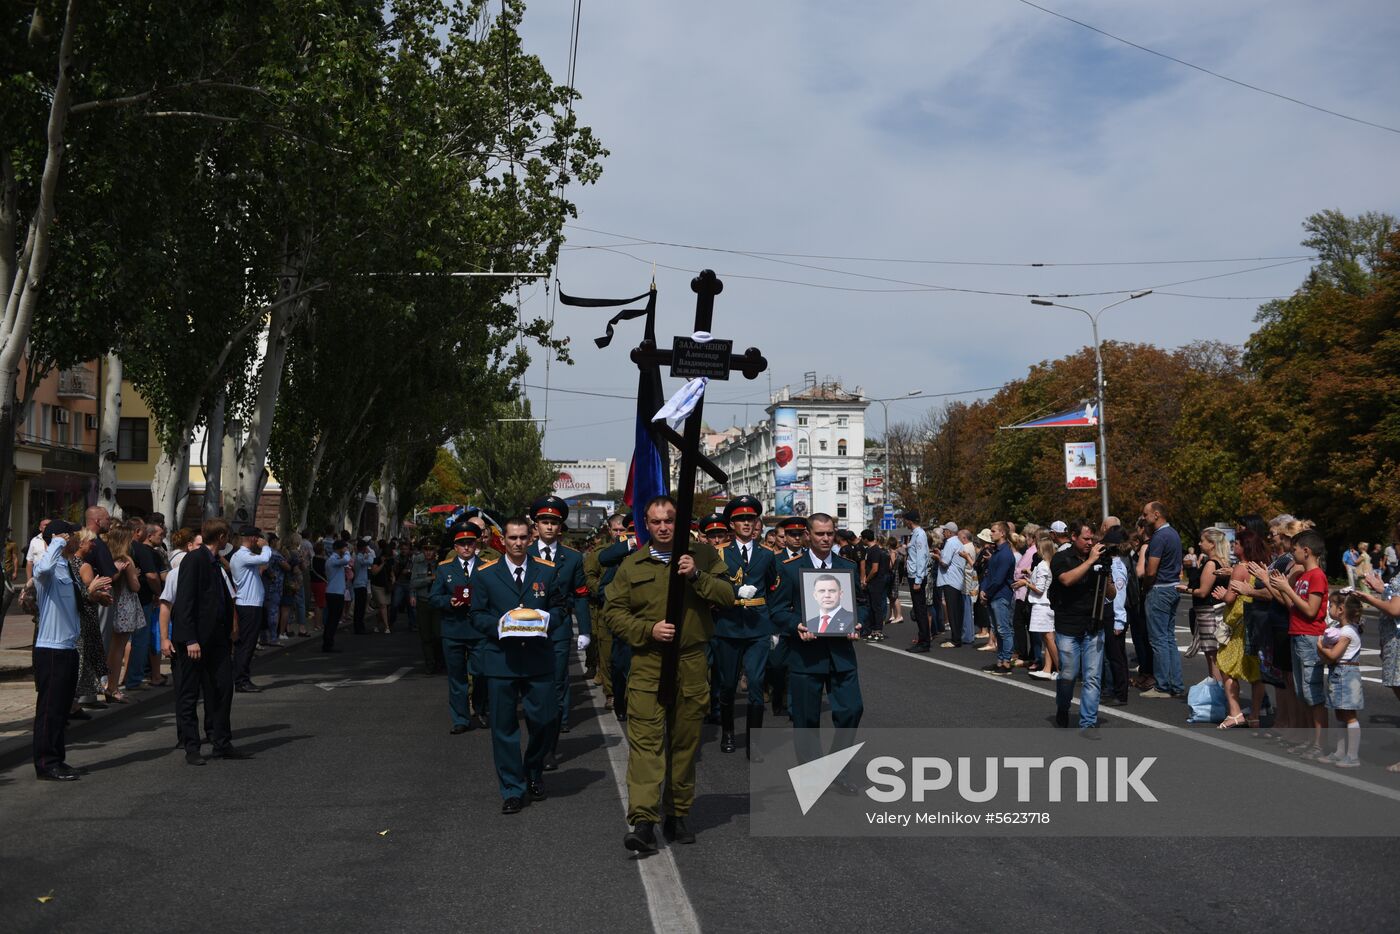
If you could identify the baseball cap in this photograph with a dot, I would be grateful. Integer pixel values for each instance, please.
(950, 526)
(1059, 528)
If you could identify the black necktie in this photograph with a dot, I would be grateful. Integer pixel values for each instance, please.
(744, 551)
(520, 577)
(548, 556)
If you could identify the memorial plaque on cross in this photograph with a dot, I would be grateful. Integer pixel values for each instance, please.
(691, 358)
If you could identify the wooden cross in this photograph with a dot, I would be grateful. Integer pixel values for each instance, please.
(689, 358)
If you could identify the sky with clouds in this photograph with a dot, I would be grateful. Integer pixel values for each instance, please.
(946, 133)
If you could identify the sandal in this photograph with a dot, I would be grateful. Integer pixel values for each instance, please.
(1252, 723)
(117, 698)
(1229, 723)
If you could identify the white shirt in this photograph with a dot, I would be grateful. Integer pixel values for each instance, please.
(512, 567)
(1040, 579)
(36, 549)
(818, 562)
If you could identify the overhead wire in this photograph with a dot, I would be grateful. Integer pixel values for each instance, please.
(642, 241)
(1213, 74)
(931, 287)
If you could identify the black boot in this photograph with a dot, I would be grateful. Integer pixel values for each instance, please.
(641, 838)
(676, 830)
(755, 722)
(726, 720)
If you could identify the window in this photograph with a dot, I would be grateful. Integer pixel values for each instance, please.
(843, 420)
(841, 447)
(45, 417)
(840, 484)
(801, 445)
(132, 440)
(821, 445)
(801, 419)
(840, 510)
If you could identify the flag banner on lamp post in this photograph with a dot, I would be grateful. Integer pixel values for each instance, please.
(1087, 416)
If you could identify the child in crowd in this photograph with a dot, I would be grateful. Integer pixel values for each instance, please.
(1340, 645)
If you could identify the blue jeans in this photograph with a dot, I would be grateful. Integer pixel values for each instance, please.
(141, 641)
(1161, 631)
(1080, 656)
(1000, 608)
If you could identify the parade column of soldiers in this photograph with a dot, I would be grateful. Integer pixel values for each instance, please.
(507, 635)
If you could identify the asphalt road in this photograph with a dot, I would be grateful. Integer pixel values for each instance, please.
(360, 812)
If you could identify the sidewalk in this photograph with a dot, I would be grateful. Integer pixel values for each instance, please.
(17, 692)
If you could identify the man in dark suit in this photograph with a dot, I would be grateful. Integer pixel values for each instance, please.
(203, 630)
(818, 664)
(518, 664)
(831, 617)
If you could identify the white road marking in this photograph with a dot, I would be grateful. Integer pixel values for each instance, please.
(667, 902)
(1315, 771)
(348, 682)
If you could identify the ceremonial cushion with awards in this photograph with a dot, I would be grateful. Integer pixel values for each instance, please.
(524, 622)
(461, 595)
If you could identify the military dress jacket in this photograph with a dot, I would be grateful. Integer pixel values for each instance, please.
(494, 593)
(751, 617)
(449, 580)
(568, 566)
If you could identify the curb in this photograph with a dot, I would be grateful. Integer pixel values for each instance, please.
(20, 749)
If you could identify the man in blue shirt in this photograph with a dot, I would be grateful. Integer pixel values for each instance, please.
(248, 564)
(916, 567)
(337, 560)
(996, 590)
(55, 655)
(952, 569)
(1164, 565)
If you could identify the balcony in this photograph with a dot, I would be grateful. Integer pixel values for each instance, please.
(77, 382)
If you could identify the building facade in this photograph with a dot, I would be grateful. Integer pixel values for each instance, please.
(830, 454)
(56, 449)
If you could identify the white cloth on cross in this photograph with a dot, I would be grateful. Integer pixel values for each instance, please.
(683, 402)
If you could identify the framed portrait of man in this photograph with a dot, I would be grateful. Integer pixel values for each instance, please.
(828, 602)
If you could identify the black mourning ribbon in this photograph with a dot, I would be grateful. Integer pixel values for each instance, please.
(626, 315)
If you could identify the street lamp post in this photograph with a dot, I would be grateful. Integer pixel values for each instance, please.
(886, 488)
(1093, 317)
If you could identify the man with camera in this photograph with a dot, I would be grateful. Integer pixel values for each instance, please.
(1080, 583)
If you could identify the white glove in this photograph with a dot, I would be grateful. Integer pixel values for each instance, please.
(583, 642)
(773, 641)
(747, 592)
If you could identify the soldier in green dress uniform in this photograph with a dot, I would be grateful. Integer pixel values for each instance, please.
(517, 603)
(662, 743)
(549, 514)
(744, 632)
(451, 590)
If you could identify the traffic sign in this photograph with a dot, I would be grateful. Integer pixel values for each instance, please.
(889, 509)
(887, 525)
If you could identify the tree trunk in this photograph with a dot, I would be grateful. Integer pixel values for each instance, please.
(304, 496)
(108, 432)
(214, 458)
(28, 274)
(388, 502)
(228, 477)
(170, 485)
(252, 455)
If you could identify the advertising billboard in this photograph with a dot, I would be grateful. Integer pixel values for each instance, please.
(1081, 466)
(784, 458)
